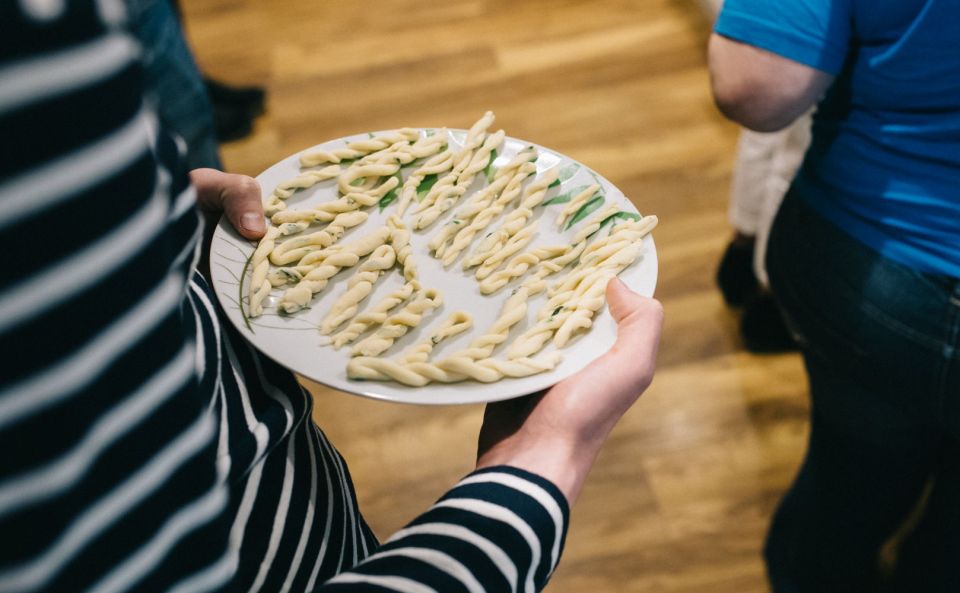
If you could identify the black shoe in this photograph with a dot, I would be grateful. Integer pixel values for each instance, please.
(763, 328)
(735, 276)
(231, 123)
(246, 98)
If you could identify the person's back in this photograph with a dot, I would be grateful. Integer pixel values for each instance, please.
(887, 136)
(864, 260)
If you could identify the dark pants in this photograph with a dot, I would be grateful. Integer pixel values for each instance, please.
(881, 343)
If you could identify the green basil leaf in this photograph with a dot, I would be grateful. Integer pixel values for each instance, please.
(490, 171)
(426, 184)
(358, 181)
(586, 210)
(391, 195)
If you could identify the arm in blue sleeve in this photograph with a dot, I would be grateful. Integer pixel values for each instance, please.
(815, 33)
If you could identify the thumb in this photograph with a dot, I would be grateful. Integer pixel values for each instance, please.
(639, 323)
(237, 196)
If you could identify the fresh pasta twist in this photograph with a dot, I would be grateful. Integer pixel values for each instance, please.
(299, 296)
(293, 274)
(405, 152)
(446, 193)
(479, 201)
(476, 138)
(512, 246)
(451, 370)
(274, 203)
(327, 211)
(572, 308)
(294, 249)
(518, 266)
(547, 267)
(457, 323)
(512, 312)
(396, 326)
(357, 148)
(437, 164)
(368, 173)
(359, 288)
(483, 218)
(259, 285)
(400, 239)
(575, 203)
(488, 251)
(376, 315)
(623, 236)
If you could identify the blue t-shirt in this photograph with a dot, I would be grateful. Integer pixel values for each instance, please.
(885, 160)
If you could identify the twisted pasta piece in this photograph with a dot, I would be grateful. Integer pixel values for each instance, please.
(446, 196)
(455, 324)
(623, 236)
(309, 262)
(581, 317)
(573, 309)
(292, 228)
(368, 173)
(512, 312)
(400, 238)
(574, 204)
(437, 164)
(259, 285)
(292, 250)
(359, 287)
(535, 338)
(518, 266)
(396, 326)
(537, 283)
(274, 203)
(483, 218)
(628, 231)
(327, 211)
(299, 296)
(357, 148)
(479, 202)
(451, 370)
(461, 160)
(488, 251)
(512, 246)
(376, 315)
(405, 153)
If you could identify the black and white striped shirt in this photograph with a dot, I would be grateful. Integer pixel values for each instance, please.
(143, 444)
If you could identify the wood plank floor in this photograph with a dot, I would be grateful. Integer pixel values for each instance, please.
(680, 497)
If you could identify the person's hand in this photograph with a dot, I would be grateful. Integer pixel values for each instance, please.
(558, 433)
(237, 196)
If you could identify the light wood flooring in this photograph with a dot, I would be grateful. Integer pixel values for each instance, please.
(680, 498)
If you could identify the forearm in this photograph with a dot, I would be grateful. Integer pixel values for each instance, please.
(563, 463)
(498, 529)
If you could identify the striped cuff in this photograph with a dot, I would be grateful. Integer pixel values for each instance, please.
(498, 529)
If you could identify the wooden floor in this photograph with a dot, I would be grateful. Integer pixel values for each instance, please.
(681, 496)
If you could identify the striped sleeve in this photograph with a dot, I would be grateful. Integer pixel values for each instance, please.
(498, 529)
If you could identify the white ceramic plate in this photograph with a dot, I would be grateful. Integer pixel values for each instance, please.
(296, 343)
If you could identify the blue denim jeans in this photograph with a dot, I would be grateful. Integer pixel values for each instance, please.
(881, 343)
(173, 82)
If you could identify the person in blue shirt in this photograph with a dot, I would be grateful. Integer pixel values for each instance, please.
(864, 259)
